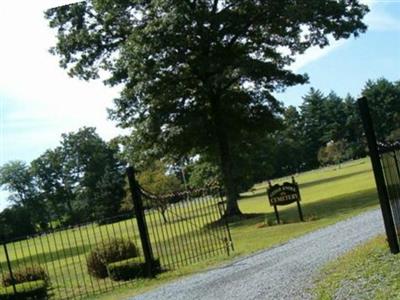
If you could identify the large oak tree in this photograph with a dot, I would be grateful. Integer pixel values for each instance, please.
(197, 75)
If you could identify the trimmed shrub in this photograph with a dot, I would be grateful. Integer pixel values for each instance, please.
(130, 269)
(102, 255)
(21, 275)
(27, 290)
(126, 269)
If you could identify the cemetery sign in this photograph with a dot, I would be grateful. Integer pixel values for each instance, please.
(284, 194)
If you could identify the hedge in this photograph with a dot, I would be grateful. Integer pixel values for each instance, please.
(130, 268)
(27, 290)
(21, 275)
(112, 251)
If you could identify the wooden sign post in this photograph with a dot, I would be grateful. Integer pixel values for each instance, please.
(284, 194)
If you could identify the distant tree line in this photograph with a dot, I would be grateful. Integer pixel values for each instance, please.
(79, 181)
(83, 179)
(324, 129)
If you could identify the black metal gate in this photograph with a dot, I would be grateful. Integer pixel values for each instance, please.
(390, 158)
(385, 158)
(180, 228)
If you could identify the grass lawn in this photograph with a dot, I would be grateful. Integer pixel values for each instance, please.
(328, 196)
(368, 272)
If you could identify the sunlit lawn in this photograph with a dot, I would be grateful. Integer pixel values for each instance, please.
(369, 271)
(328, 196)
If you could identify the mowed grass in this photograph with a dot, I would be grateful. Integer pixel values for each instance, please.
(368, 272)
(328, 195)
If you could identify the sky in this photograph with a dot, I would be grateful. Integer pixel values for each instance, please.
(39, 101)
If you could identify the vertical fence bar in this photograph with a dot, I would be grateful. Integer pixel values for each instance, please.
(181, 237)
(9, 267)
(228, 230)
(184, 210)
(379, 177)
(141, 221)
(206, 239)
(221, 206)
(210, 221)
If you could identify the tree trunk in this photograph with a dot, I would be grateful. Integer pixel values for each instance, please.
(232, 208)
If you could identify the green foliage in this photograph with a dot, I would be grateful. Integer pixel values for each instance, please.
(80, 180)
(197, 78)
(96, 175)
(156, 180)
(111, 251)
(16, 222)
(29, 273)
(127, 269)
(27, 290)
(383, 99)
(203, 173)
(394, 135)
(314, 122)
(321, 119)
(130, 269)
(16, 177)
(332, 153)
(55, 183)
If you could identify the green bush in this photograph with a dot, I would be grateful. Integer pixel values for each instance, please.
(102, 255)
(21, 275)
(126, 269)
(27, 290)
(130, 269)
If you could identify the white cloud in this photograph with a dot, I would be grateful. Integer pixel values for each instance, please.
(31, 79)
(379, 20)
(313, 54)
(376, 19)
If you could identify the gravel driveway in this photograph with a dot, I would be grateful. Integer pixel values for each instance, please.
(283, 272)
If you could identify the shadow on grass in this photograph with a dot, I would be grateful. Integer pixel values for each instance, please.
(253, 195)
(324, 208)
(305, 184)
(43, 258)
(331, 179)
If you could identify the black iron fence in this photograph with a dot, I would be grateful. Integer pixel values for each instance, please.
(187, 227)
(385, 159)
(390, 158)
(163, 233)
(56, 263)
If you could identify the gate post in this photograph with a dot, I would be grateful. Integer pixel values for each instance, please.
(141, 221)
(379, 177)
